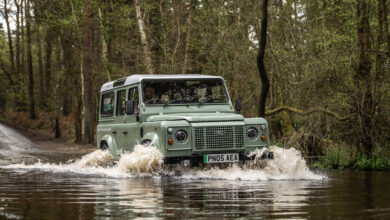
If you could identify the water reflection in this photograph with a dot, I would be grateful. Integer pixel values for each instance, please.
(43, 195)
(53, 196)
(129, 198)
(172, 197)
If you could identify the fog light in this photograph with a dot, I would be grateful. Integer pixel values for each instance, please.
(263, 138)
(170, 141)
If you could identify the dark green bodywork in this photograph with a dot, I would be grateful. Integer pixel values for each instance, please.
(122, 133)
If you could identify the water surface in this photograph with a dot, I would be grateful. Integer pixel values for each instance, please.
(94, 187)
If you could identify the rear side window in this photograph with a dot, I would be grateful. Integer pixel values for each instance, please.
(133, 95)
(107, 105)
(121, 102)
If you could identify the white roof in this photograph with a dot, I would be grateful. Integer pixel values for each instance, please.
(138, 78)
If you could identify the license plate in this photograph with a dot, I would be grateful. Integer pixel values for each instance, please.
(220, 158)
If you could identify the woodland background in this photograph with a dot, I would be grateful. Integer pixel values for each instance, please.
(327, 62)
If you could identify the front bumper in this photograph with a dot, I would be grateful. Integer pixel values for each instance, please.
(197, 159)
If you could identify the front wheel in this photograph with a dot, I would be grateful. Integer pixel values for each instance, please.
(104, 146)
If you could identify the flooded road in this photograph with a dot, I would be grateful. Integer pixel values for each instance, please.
(37, 183)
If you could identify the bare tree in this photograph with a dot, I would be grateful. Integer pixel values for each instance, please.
(42, 93)
(89, 101)
(17, 37)
(191, 9)
(363, 96)
(260, 58)
(9, 34)
(104, 45)
(29, 63)
(144, 41)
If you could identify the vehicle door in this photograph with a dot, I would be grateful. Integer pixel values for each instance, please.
(131, 130)
(120, 127)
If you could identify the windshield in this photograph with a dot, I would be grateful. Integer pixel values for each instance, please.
(184, 91)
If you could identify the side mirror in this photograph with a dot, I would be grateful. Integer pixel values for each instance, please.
(129, 107)
(238, 105)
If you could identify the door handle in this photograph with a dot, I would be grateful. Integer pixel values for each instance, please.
(125, 132)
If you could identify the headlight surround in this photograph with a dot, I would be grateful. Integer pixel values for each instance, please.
(181, 136)
(262, 126)
(252, 133)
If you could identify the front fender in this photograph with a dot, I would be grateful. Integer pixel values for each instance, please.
(112, 148)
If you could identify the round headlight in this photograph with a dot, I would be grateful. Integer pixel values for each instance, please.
(262, 127)
(251, 133)
(181, 136)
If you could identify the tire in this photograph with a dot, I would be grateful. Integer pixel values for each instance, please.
(146, 143)
(104, 146)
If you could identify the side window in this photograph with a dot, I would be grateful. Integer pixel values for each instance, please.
(107, 105)
(121, 102)
(133, 95)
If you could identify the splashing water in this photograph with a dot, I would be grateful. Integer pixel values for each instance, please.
(288, 164)
(141, 160)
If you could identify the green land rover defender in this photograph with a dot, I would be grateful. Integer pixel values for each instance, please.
(186, 117)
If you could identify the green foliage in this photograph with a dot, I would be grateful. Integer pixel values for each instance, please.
(345, 157)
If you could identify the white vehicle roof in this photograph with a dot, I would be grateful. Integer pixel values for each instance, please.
(133, 79)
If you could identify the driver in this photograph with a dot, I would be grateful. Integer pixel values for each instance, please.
(149, 95)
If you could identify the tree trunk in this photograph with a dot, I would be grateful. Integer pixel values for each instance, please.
(176, 20)
(9, 34)
(386, 25)
(260, 59)
(191, 5)
(78, 81)
(17, 37)
(23, 66)
(363, 79)
(77, 117)
(42, 94)
(144, 42)
(48, 49)
(29, 63)
(89, 103)
(104, 45)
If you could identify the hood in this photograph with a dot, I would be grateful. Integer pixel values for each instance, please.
(197, 117)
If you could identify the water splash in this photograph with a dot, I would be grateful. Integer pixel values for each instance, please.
(141, 160)
(288, 164)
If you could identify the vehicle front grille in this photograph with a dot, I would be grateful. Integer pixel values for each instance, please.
(219, 137)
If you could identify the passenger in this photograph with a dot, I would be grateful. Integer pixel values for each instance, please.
(165, 98)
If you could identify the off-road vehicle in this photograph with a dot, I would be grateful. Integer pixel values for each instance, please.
(186, 117)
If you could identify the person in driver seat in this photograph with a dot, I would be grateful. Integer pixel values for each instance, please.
(150, 97)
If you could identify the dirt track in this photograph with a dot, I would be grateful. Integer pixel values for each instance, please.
(18, 146)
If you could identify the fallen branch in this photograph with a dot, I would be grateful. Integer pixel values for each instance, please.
(308, 112)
